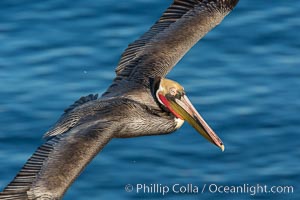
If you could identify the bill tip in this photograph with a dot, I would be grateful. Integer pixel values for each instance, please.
(222, 147)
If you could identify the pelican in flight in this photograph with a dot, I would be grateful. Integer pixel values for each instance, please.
(139, 102)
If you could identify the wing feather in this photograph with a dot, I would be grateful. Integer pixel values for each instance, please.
(157, 51)
(54, 166)
(71, 116)
(29, 172)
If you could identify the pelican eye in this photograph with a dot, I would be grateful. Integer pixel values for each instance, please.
(173, 91)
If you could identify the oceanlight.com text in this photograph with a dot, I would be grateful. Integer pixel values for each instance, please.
(176, 188)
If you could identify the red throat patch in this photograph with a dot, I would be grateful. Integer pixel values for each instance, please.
(167, 104)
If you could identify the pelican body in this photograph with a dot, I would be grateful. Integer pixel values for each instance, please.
(139, 102)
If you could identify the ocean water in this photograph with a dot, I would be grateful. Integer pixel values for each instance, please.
(243, 77)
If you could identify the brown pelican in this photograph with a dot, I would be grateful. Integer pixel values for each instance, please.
(140, 102)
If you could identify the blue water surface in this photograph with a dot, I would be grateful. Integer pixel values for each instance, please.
(243, 77)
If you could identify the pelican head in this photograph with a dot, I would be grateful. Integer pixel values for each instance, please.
(171, 96)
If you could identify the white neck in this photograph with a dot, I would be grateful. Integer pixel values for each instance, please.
(178, 122)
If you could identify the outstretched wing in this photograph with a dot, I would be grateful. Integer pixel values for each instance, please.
(55, 165)
(156, 52)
